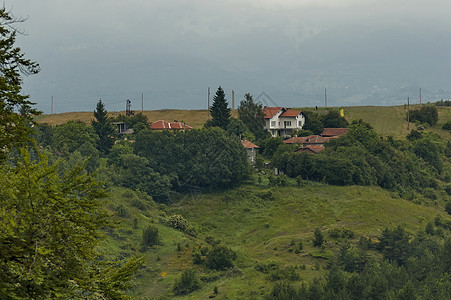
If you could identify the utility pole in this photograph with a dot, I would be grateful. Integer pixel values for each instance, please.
(208, 107)
(51, 107)
(420, 95)
(233, 100)
(325, 97)
(408, 114)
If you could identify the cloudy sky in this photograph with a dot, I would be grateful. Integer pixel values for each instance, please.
(365, 52)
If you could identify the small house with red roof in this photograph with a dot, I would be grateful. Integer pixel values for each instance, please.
(333, 132)
(162, 125)
(251, 150)
(280, 121)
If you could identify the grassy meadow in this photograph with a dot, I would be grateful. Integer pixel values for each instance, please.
(263, 226)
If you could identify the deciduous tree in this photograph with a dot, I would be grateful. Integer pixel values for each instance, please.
(14, 131)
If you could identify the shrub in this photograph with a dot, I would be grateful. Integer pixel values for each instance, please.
(150, 237)
(447, 126)
(220, 258)
(265, 267)
(318, 238)
(288, 273)
(448, 207)
(448, 189)
(187, 283)
(178, 222)
(283, 290)
(122, 211)
(426, 114)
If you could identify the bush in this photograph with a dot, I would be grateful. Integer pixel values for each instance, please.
(187, 283)
(220, 258)
(448, 207)
(288, 273)
(426, 114)
(448, 189)
(283, 290)
(122, 211)
(447, 126)
(150, 237)
(318, 238)
(178, 222)
(265, 267)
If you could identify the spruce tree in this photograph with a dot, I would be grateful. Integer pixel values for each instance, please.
(220, 110)
(103, 128)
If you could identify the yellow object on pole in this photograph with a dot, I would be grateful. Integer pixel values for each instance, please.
(342, 112)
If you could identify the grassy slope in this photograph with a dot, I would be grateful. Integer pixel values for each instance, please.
(387, 120)
(261, 230)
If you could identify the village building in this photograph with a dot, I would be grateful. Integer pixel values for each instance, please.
(251, 150)
(122, 128)
(315, 143)
(281, 121)
(162, 125)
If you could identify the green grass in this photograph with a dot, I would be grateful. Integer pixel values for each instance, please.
(258, 230)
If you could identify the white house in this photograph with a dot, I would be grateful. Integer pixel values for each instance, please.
(281, 121)
(251, 150)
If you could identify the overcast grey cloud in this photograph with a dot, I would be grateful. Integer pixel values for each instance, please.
(363, 52)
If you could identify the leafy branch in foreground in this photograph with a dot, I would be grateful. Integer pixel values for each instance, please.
(49, 230)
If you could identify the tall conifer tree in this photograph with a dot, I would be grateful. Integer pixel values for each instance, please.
(103, 128)
(220, 110)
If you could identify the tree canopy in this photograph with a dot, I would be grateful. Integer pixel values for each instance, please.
(251, 113)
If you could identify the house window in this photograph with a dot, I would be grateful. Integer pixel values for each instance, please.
(273, 123)
(287, 123)
(300, 123)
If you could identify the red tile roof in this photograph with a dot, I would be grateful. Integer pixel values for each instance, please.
(290, 113)
(179, 125)
(271, 111)
(161, 124)
(248, 145)
(311, 149)
(311, 139)
(329, 132)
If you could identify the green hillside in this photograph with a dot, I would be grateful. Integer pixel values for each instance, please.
(262, 225)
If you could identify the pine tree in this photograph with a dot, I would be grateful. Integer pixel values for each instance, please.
(103, 128)
(220, 110)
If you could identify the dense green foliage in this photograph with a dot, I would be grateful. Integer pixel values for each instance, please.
(14, 127)
(219, 110)
(426, 114)
(51, 215)
(49, 227)
(137, 121)
(362, 157)
(251, 113)
(201, 158)
(412, 268)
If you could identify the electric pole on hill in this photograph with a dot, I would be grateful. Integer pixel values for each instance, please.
(208, 103)
(233, 100)
(408, 114)
(325, 97)
(128, 108)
